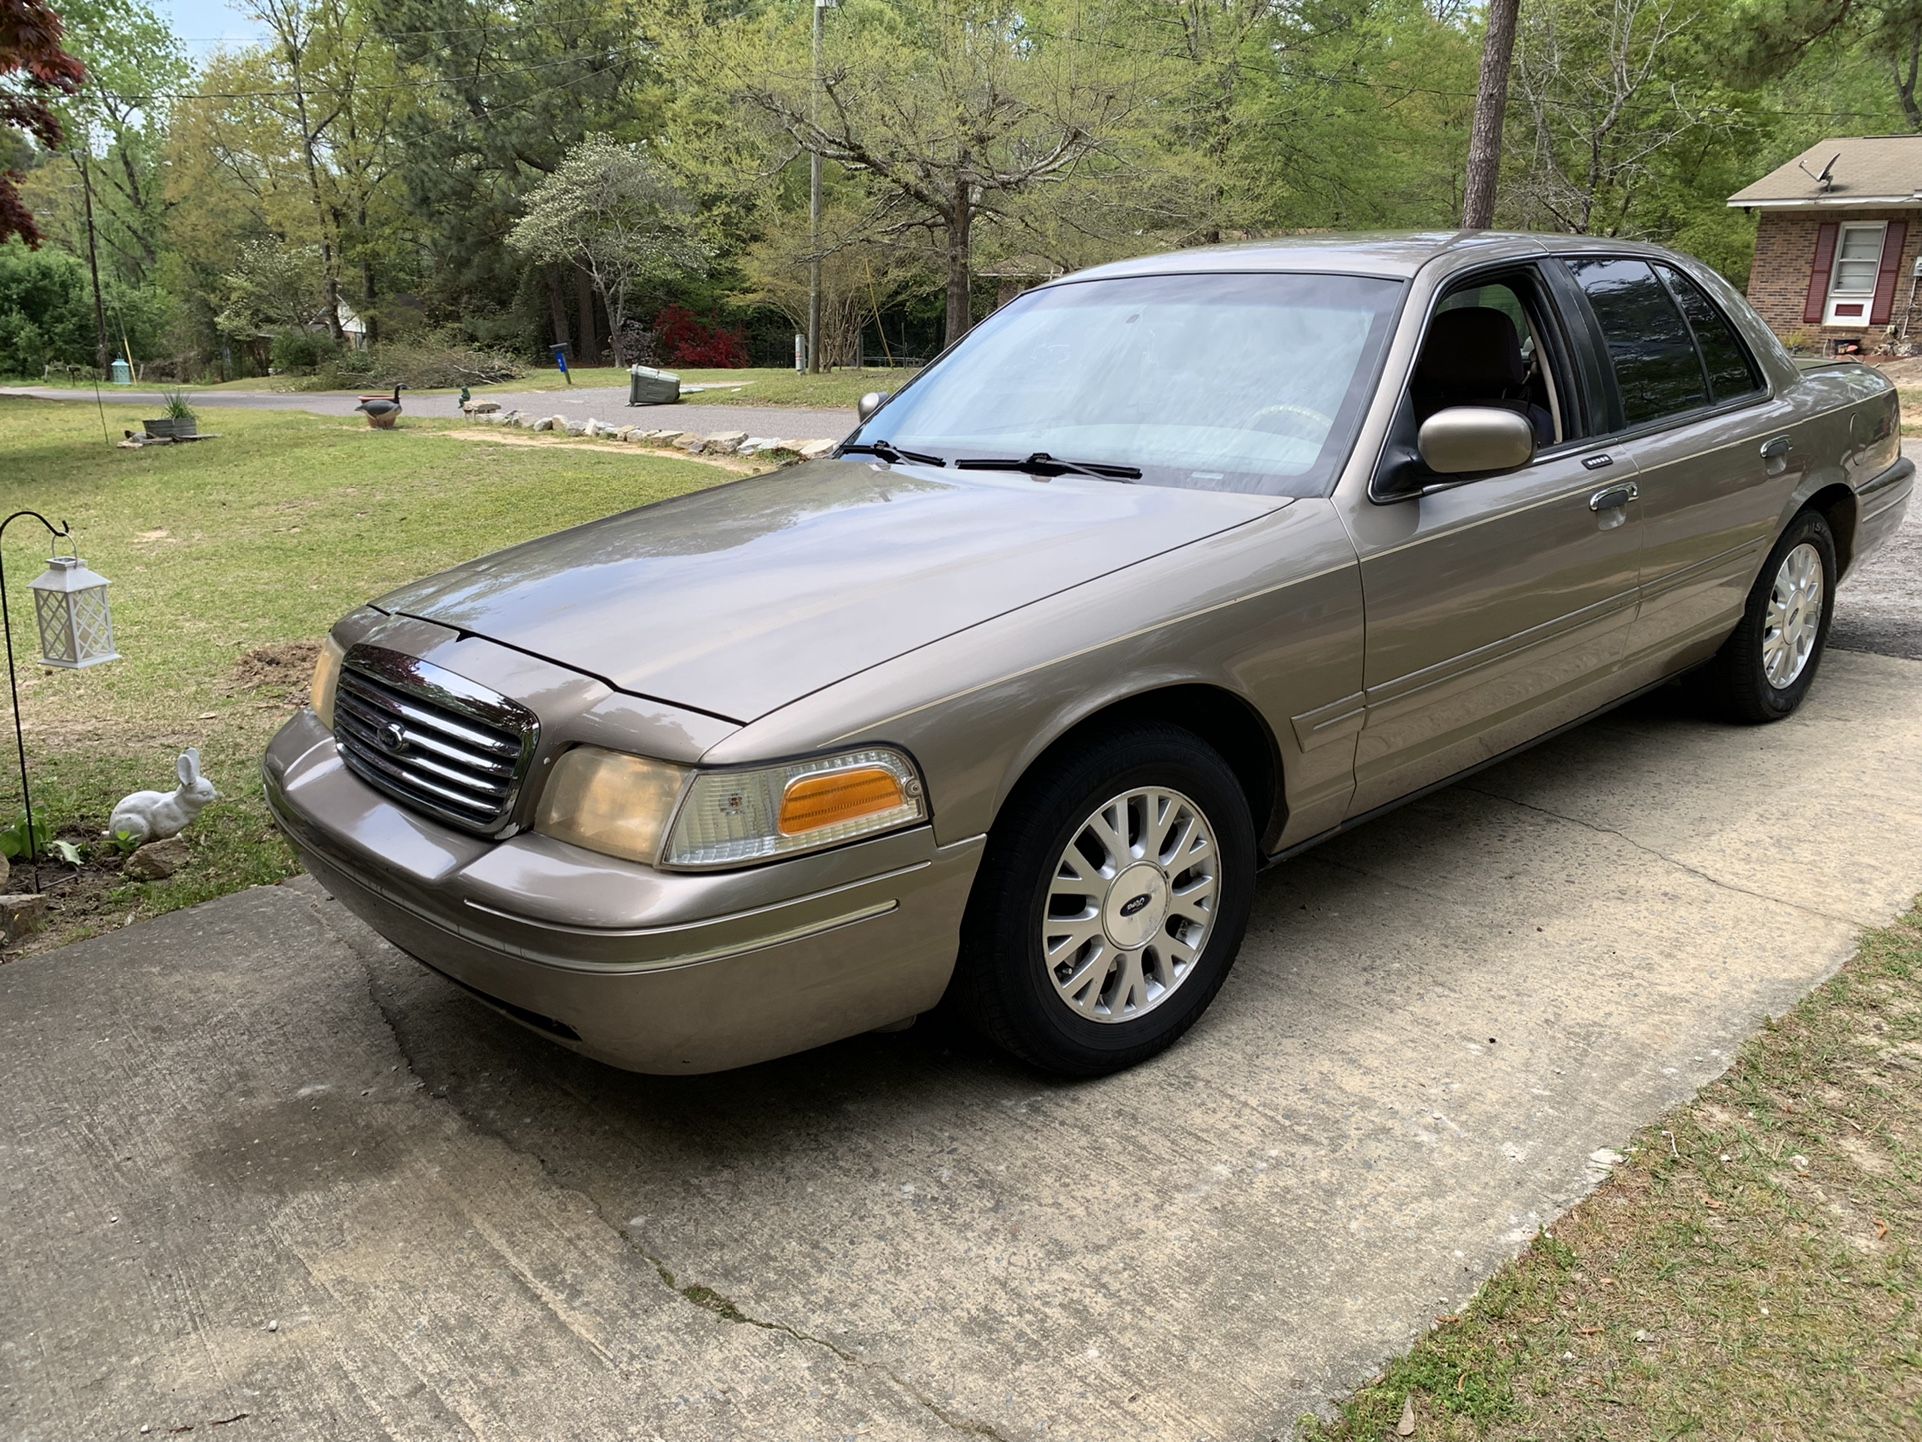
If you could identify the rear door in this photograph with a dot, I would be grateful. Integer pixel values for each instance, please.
(1714, 452)
(1497, 608)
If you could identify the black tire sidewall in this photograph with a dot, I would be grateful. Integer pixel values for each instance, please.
(1002, 935)
(1770, 701)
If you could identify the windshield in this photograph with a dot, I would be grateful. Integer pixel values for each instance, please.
(1237, 382)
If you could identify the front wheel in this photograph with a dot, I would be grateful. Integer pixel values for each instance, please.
(1111, 902)
(1767, 665)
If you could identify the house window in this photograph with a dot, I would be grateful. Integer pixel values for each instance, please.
(1858, 259)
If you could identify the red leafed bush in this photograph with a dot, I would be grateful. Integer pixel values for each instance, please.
(34, 71)
(686, 340)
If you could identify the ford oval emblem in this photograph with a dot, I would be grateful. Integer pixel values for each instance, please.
(391, 739)
(1134, 904)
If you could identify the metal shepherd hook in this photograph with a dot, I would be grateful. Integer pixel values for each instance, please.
(63, 530)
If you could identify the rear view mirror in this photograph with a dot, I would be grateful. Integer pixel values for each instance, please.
(870, 403)
(1475, 440)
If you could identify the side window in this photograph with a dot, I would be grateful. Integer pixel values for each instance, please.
(1731, 372)
(1656, 367)
(1484, 348)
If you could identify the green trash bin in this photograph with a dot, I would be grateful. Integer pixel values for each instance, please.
(648, 387)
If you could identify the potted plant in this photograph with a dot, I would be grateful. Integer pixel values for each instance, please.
(179, 422)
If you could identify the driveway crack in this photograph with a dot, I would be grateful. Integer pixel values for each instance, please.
(1662, 856)
(695, 1294)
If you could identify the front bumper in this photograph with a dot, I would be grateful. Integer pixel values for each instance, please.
(647, 970)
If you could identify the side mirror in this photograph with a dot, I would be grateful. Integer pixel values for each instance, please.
(871, 402)
(1475, 440)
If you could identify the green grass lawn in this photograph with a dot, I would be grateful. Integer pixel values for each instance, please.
(229, 558)
(1754, 1270)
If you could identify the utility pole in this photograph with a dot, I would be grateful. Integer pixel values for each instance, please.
(1491, 105)
(814, 204)
(93, 265)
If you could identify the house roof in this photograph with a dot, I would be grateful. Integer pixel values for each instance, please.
(1866, 170)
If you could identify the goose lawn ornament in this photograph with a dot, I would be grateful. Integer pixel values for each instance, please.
(380, 411)
(154, 815)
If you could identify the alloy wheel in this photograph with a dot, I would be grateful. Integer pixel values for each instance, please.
(1131, 904)
(1793, 621)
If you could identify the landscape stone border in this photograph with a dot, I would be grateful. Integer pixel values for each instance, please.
(785, 450)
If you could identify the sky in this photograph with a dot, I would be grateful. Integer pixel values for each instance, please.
(203, 24)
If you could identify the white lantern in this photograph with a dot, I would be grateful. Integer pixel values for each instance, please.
(76, 626)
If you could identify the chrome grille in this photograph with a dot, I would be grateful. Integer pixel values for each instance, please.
(430, 739)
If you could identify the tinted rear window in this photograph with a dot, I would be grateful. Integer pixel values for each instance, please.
(1730, 371)
(1656, 367)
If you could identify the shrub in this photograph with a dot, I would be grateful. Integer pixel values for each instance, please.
(418, 365)
(685, 340)
(302, 352)
(636, 345)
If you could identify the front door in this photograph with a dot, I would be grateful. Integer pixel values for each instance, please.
(1499, 608)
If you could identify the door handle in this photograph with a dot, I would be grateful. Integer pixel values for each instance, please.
(1776, 448)
(1614, 496)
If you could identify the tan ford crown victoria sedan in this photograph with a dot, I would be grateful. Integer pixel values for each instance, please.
(1168, 570)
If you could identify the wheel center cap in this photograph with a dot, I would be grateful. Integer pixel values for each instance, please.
(1136, 907)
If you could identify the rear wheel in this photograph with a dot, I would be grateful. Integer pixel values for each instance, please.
(1767, 665)
(1111, 902)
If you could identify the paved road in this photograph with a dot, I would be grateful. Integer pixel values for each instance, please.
(583, 403)
(253, 1161)
(1879, 607)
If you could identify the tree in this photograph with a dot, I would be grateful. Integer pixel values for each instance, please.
(1611, 95)
(860, 277)
(30, 48)
(134, 65)
(950, 110)
(504, 88)
(1491, 109)
(609, 209)
(1886, 32)
(271, 287)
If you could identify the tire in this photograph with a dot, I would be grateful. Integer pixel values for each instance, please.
(1063, 1017)
(1738, 681)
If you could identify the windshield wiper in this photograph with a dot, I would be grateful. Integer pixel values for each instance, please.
(1043, 464)
(890, 452)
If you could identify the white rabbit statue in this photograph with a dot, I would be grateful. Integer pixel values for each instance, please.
(154, 815)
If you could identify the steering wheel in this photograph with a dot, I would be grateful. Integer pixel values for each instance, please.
(1320, 420)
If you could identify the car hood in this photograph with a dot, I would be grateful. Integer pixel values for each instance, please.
(740, 598)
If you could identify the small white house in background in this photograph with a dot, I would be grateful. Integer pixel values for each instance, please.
(352, 326)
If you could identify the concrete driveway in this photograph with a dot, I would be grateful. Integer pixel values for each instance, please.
(707, 411)
(266, 1178)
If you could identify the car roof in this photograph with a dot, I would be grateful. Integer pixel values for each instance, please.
(1394, 254)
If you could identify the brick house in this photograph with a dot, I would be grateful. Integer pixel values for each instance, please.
(1837, 237)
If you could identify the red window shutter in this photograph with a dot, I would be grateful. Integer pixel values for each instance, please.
(1819, 269)
(1886, 277)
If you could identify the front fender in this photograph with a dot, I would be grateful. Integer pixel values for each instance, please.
(1269, 613)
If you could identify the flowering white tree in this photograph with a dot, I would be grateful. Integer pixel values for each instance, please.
(610, 209)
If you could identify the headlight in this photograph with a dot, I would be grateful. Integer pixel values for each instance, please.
(610, 802)
(623, 806)
(326, 674)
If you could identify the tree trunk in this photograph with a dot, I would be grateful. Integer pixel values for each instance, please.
(1491, 105)
(369, 303)
(590, 347)
(960, 265)
(556, 305)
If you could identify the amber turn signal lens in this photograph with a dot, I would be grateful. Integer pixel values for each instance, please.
(832, 797)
